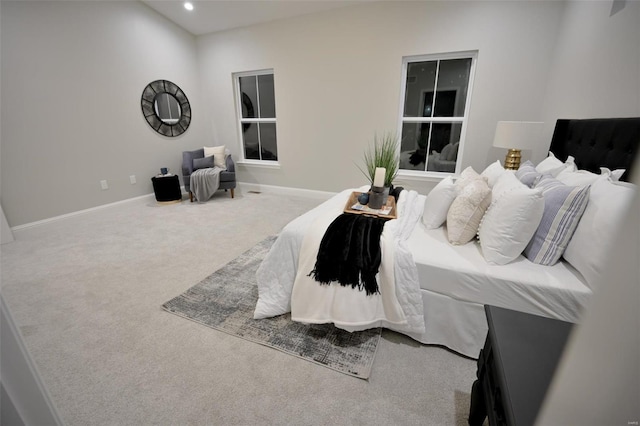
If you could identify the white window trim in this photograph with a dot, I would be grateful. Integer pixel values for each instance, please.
(239, 120)
(430, 175)
(267, 164)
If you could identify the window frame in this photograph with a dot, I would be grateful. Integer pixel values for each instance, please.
(406, 60)
(241, 120)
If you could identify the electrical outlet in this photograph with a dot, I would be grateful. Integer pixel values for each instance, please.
(132, 179)
(104, 184)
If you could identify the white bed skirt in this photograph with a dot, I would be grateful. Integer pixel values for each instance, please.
(460, 326)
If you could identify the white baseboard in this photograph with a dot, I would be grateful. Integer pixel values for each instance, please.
(79, 212)
(269, 189)
(284, 190)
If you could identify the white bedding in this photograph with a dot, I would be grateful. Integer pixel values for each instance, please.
(284, 286)
(462, 273)
(440, 288)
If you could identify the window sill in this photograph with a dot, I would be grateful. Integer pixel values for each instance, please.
(258, 163)
(418, 176)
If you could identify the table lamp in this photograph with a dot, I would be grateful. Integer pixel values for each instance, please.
(516, 136)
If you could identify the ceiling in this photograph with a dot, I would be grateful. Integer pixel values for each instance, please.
(219, 15)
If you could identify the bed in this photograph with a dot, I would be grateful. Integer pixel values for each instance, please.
(434, 291)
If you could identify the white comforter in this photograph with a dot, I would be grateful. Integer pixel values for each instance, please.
(284, 286)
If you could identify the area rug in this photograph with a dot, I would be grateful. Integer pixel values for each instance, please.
(225, 301)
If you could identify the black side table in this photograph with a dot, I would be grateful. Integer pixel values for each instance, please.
(167, 188)
(516, 366)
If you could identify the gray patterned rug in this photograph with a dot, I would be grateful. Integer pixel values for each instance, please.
(225, 300)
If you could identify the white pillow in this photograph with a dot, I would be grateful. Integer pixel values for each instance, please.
(493, 172)
(584, 177)
(467, 176)
(578, 178)
(438, 202)
(510, 221)
(593, 238)
(466, 211)
(506, 182)
(552, 166)
(615, 175)
(219, 157)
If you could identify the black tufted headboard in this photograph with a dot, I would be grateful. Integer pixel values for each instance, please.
(598, 142)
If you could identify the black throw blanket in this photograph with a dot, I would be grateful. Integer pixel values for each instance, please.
(349, 252)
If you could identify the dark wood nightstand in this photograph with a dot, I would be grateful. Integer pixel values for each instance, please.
(516, 366)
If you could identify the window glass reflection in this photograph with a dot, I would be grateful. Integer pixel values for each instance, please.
(413, 146)
(421, 79)
(250, 139)
(443, 147)
(267, 96)
(453, 80)
(249, 93)
(268, 141)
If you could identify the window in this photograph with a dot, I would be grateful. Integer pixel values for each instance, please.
(256, 109)
(436, 91)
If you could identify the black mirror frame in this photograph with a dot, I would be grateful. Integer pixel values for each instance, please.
(148, 95)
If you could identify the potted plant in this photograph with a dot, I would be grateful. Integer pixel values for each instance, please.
(382, 153)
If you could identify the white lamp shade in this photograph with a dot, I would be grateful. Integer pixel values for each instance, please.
(517, 134)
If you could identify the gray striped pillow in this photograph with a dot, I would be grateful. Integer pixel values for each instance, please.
(528, 174)
(563, 208)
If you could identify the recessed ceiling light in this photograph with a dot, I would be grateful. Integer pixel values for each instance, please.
(188, 5)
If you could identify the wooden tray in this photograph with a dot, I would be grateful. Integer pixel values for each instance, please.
(353, 199)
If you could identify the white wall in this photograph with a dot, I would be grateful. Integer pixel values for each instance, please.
(595, 71)
(598, 378)
(73, 73)
(72, 78)
(337, 78)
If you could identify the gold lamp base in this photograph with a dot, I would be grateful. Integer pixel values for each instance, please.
(512, 161)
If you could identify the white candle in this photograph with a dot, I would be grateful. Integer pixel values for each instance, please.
(378, 180)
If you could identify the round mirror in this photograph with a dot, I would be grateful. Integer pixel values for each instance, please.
(166, 108)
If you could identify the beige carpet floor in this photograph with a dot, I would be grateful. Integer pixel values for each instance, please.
(87, 291)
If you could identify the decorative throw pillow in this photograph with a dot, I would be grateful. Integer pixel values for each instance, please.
(563, 208)
(592, 240)
(493, 172)
(219, 157)
(510, 221)
(438, 202)
(584, 177)
(467, 176)
(552, 166)
(615, 175)
(528, 174)
(466, 211)
(577, 178)
(202, 163)
(505, 183)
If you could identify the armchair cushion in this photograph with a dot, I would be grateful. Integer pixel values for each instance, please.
(203, 163)
(218, 153)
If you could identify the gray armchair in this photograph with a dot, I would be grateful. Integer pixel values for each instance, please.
(227, 177)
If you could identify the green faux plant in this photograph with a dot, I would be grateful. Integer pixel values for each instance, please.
(382, 153)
